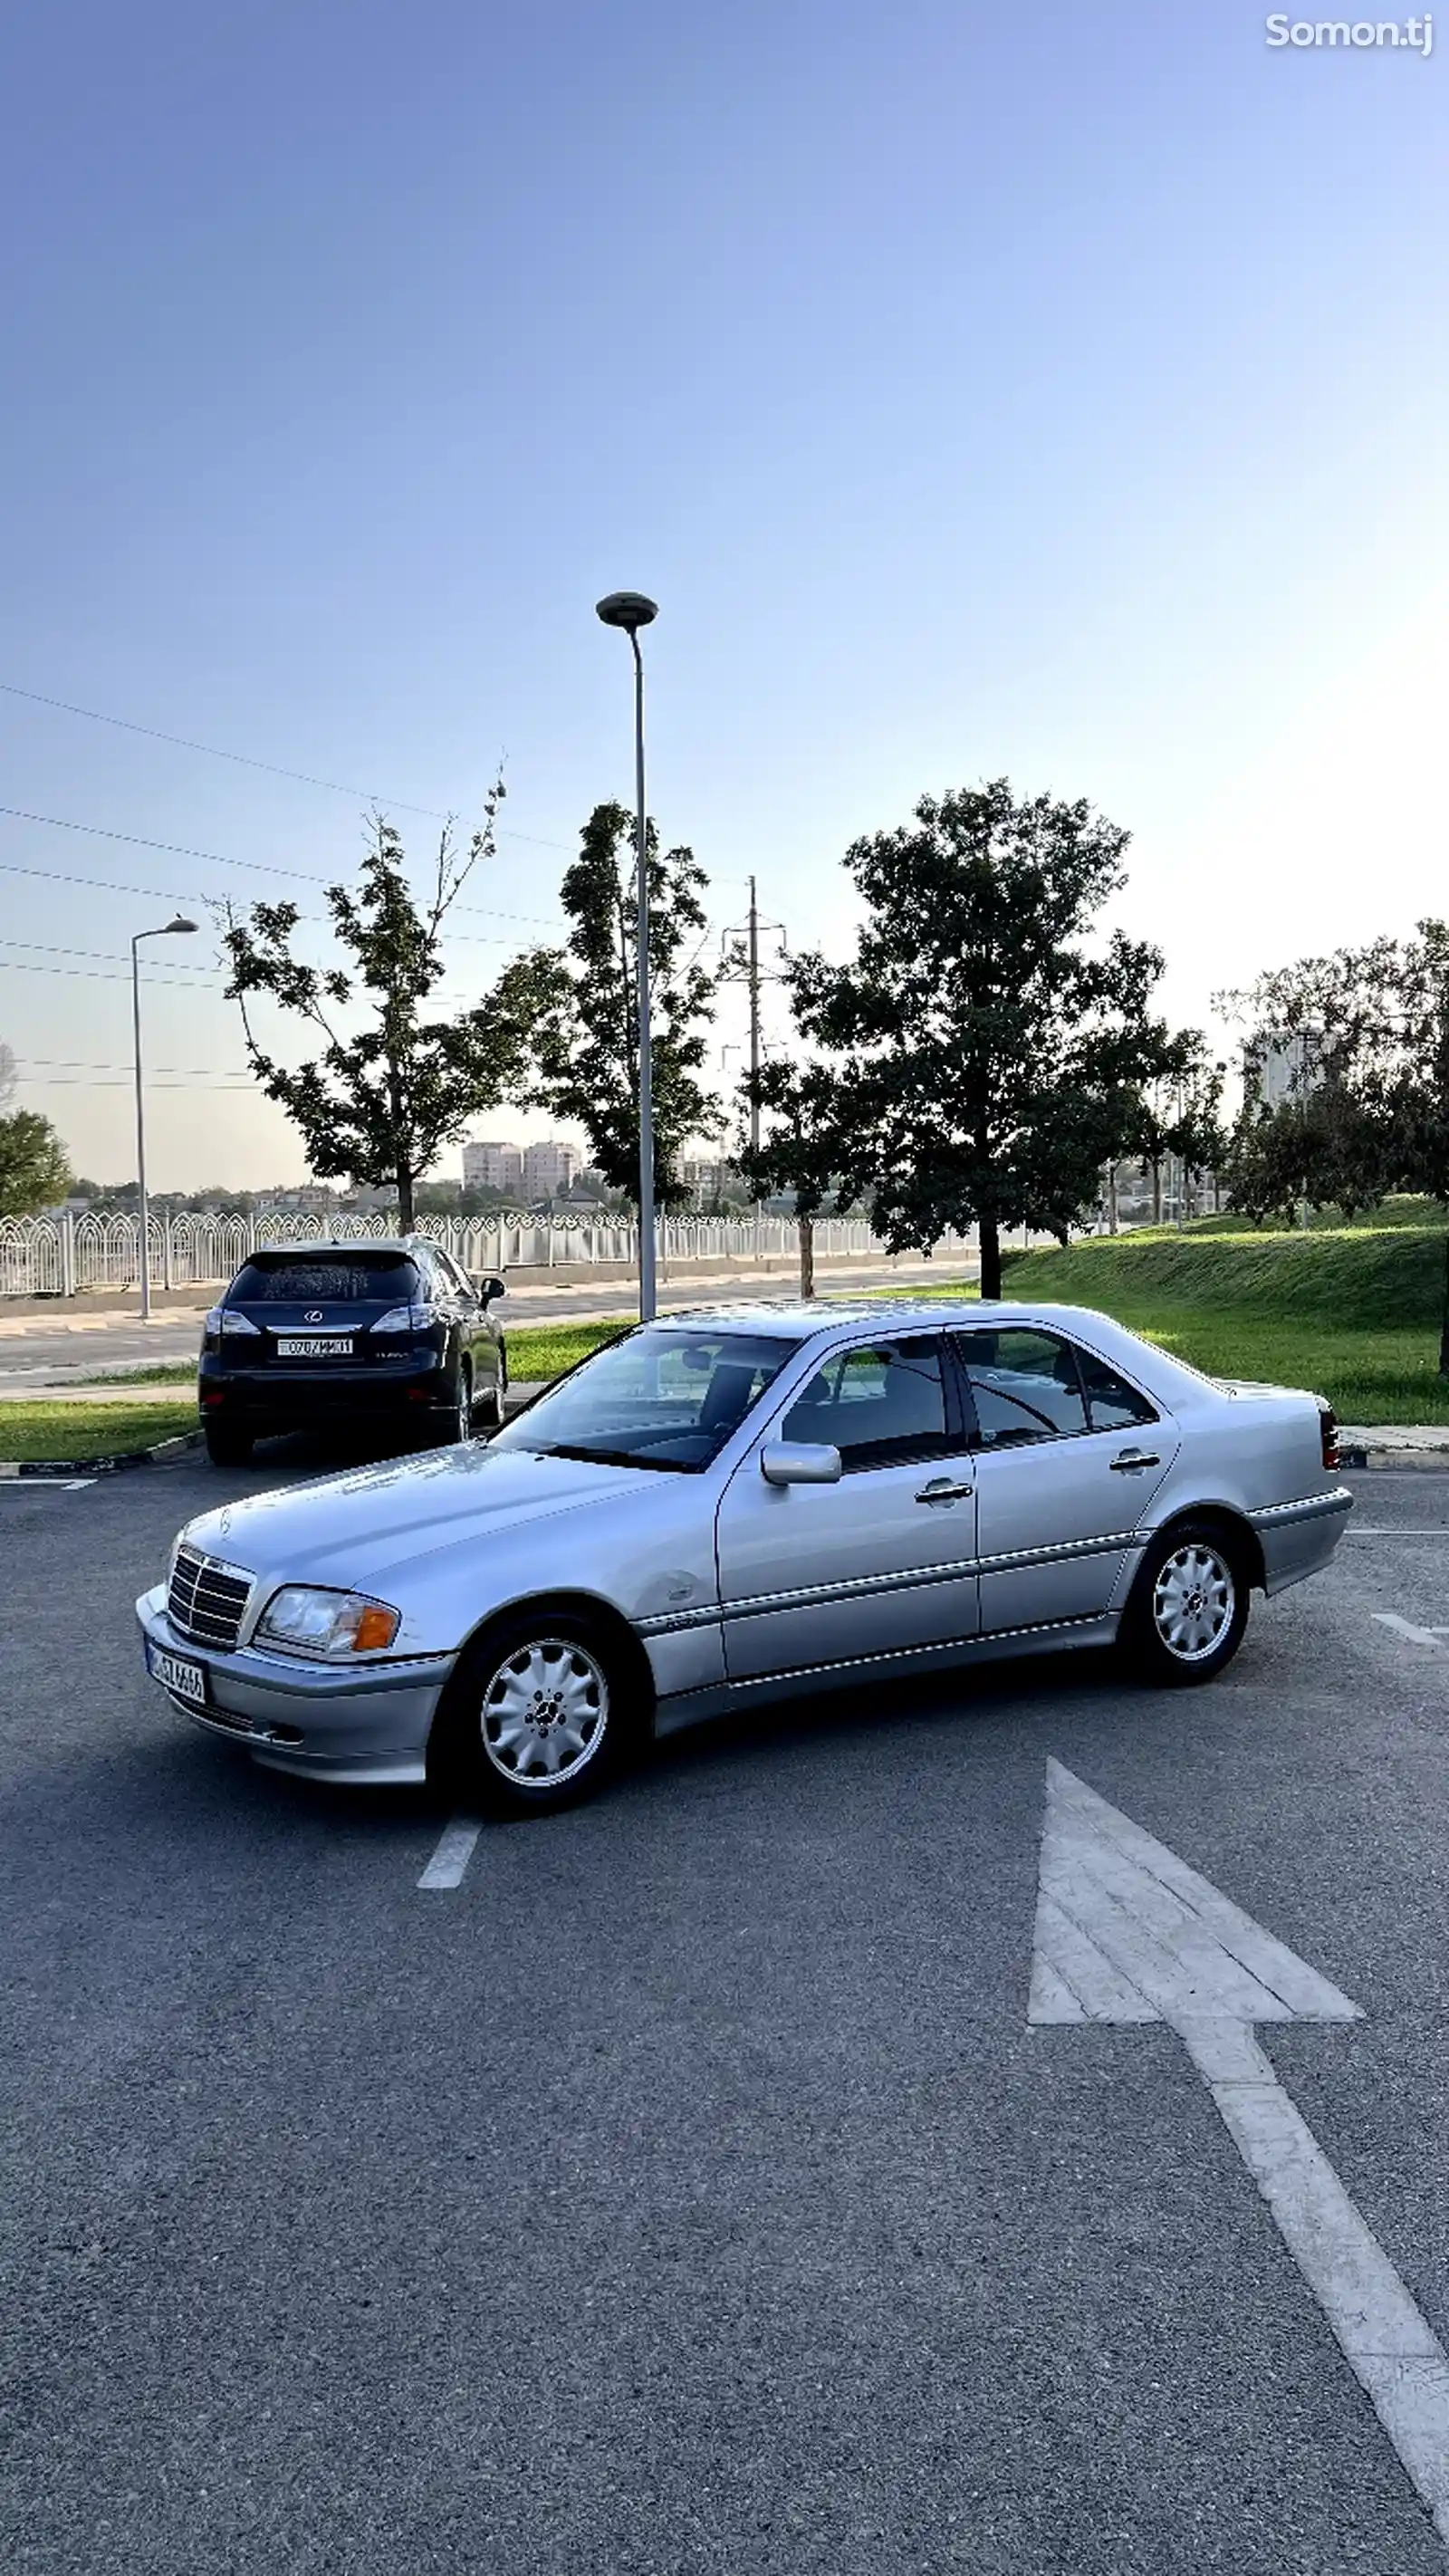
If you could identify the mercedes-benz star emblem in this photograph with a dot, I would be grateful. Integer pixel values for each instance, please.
(315, 1316)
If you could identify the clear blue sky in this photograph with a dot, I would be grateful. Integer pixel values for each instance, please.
(1054, 389)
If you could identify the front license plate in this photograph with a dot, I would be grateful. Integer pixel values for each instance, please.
(178, 1674)
(315, 1347)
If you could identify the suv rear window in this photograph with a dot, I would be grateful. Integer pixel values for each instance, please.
(388, 1278)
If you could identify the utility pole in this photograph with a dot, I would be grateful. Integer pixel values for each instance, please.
(745, 967)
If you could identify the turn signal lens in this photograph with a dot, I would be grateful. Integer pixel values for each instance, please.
(375, 1627)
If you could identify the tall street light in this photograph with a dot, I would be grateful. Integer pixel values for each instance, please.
(631, 610)
(163, 930)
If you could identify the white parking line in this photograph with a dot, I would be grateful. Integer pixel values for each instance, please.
(1406, 1628)
(455, 1850)
(1393, 1529)
(46, 1484)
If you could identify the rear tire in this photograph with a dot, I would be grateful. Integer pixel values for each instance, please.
(543, 1710)
(1189, 1607)
(456, 1423)
(226, 1446)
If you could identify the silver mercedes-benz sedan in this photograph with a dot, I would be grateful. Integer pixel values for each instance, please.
(728, 1506)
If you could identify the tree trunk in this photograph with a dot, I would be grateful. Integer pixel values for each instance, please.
(1112, 1211)
(1157, 1193)
(1444, 1317)
(805, 1228)
(404, 1199)
(990, 1237)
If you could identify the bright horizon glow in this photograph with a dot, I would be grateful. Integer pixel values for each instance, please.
(1050, 394)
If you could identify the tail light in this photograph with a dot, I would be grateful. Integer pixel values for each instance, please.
(1328, 1425)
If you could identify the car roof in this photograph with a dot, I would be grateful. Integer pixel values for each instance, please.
(794, 1315)
(801, 1318)
(398, 1246)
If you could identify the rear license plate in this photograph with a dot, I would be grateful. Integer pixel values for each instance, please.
(316, 1346)
(178, 1675)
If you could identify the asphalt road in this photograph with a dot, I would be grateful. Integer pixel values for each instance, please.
(685, 2191)
(43, 1352)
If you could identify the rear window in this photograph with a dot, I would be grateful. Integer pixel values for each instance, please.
(387, 1278)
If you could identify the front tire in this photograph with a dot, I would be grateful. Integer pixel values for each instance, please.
(543, 1711)
(226, 1446)
(1189, 1606)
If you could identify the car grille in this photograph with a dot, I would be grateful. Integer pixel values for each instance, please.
(206, 1600)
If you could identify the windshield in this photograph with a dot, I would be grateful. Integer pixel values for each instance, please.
(658, 1398)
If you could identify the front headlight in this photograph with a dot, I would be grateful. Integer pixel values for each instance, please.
(307, 1622)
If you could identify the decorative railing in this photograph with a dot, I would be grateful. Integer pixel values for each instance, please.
(67, 1255)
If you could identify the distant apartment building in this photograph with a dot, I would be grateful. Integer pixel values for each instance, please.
(550, 1168)
(1286, 1067)
(531, 1171)
(492, 1167)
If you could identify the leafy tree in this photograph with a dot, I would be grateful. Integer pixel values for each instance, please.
(1177, 1115)
(34, 1172)
(800, 1145)
(1368, 1111)
(582, 1001)
(986, 1063)
(377, 1106)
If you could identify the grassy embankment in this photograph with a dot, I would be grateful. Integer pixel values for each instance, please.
(1352, 1311)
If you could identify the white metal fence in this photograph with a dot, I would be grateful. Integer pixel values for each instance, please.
(63, 1256)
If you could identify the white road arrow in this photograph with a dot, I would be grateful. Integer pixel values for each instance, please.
(1126, 1932)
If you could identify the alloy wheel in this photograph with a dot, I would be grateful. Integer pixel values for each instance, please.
(1193, 1600)
(544, 1713)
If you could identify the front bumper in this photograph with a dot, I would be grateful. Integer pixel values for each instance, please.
(320, 1721)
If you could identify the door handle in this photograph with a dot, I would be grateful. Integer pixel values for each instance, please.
(1127, 1459)
(941, 1490)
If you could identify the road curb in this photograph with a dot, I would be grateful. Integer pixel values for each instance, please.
(119, 1459)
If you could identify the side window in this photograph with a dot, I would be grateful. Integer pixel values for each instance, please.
(457, 1285)
(1024, 1384)
(884, 1402)
(1112, 1405)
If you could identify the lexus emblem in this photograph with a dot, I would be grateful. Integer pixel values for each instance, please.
(315, 1317)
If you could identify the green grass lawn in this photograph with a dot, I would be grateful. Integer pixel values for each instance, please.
(1351, 1311)
(31, 1431)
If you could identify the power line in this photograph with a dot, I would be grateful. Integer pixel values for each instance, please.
(167, 894)
(87, 1064)
(246, 760)
(258, 867)
(110, 956)
(73, 1082)
(97, 975)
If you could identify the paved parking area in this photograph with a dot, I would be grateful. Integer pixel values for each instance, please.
(678, 2184)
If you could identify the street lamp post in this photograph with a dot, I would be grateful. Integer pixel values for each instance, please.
(631, 610)
(163, 930)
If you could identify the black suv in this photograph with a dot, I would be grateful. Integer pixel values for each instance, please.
(315, 1334)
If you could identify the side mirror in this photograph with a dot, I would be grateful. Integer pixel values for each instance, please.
(488, 1289)
(799, 1462)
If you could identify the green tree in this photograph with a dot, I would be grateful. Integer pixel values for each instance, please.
(582, 1004)
(1368, 1110)
(34, 1171)
(377, 1105)
(801, 1144)
(1178, 1113)
(987, 1064)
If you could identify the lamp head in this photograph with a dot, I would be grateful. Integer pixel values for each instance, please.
(629, 609)
(181, 923)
